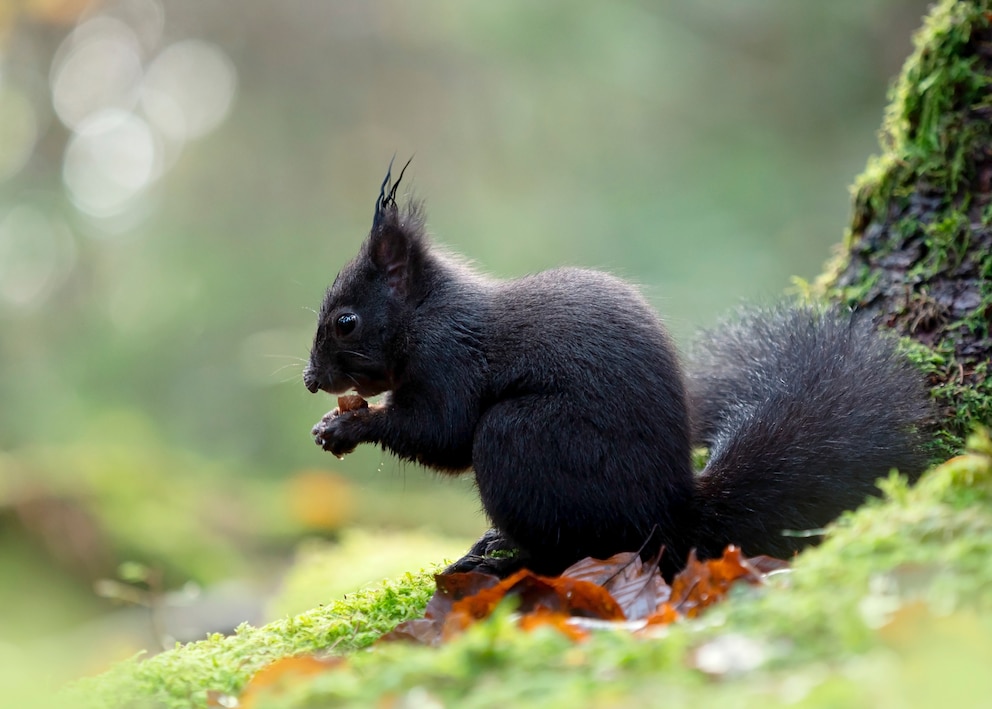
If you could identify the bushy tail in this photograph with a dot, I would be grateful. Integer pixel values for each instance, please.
(803, 410)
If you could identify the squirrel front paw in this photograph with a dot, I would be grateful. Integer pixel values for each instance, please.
(337, 431)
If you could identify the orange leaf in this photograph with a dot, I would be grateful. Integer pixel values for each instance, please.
(560, 594)
(664, 615)
(703, 583)
(558, 621)
(285, 672)
(451, 588)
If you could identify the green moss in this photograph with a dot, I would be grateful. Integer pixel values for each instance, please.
(931, 129)
(859, 290)
(964, 405)
(182, 677)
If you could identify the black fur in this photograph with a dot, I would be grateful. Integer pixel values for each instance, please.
(563, 392)
(803, 410)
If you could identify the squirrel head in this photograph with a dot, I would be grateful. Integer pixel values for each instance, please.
(358, 344)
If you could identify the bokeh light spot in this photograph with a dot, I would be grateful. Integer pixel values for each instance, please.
(111, 159)
(188, 89)
(97, 67)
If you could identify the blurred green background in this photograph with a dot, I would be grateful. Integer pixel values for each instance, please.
(180, 180)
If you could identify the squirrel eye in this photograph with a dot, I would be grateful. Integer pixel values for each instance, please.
(345, 324)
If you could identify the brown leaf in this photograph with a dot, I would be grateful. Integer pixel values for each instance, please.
(425, 631)
(558, 621)
(636, 586)
(463, 599)
(561, 594)
(599, 571)
(766, 565)
(703, 583)
(455, 587)
(663, 615)
(451, 588)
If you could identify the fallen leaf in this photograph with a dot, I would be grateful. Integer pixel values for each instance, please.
(663, 615)
(559, 621)
(283, 673)
(703, 583)
(451, 588)
(767, 565)
(600, 571)
(561, 593)
(620, 592)
(637, 586)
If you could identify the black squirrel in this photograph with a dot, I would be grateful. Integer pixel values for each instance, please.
(563, 392)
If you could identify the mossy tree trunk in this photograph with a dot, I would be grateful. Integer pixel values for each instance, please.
(918, 254)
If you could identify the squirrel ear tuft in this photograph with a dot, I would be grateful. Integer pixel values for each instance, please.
(395, 252)
(386, 202)
(395, 239)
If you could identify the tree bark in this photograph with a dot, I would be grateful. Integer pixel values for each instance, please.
(918, 254)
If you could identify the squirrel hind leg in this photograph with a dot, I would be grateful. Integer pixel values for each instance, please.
(494, 553)
(602, 488)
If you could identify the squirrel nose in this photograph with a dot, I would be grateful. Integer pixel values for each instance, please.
(311, 380)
